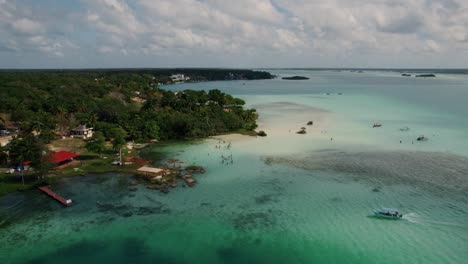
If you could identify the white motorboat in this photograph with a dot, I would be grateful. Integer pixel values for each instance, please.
(390, 213)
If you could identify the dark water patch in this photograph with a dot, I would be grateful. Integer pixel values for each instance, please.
(266, 199)
(152, 210)
(336, 199)
(151, 199)
(20, 207)
(125, 210)
(102, 220)
(129, 250)
(17, 238)
(275, 185)
(239, 255)
(255, 220)
(440, 171)
(377, 189)
(269, 161)
(205, 204)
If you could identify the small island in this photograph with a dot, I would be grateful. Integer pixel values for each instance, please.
(295, 78)
(426, 75)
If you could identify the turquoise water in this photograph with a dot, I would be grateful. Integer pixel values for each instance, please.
(287, 197)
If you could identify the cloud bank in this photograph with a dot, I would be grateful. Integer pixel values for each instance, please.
(241, 33)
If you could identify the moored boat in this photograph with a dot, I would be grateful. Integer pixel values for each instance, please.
(422, 138)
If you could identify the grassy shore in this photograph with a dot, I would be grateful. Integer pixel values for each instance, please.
(89, 163)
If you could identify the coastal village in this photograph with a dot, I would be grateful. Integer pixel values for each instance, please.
(98, 121)
(69, 157)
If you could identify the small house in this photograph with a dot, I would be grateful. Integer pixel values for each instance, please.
(82, 132)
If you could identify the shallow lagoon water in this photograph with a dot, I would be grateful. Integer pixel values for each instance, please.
(287, 197)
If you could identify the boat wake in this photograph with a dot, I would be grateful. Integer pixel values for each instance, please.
(412, 217)
(417, 219)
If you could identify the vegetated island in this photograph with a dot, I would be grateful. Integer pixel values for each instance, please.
(295, 78)
(426, 75)
(64, 123)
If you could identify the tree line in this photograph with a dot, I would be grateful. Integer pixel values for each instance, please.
(120, 105)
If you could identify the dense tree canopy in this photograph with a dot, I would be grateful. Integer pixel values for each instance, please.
(121, 104)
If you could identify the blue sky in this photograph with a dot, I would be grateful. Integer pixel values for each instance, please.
(241, 33)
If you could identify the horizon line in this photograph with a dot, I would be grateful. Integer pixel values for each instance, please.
(233, 68)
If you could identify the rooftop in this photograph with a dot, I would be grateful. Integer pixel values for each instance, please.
(61, 156)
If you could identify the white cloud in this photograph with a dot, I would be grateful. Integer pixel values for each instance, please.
(228, 31)
(25, 25)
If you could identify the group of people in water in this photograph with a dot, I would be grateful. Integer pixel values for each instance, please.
(225, 160)
(223, 142)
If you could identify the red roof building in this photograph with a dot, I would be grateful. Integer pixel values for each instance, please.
(61, 156)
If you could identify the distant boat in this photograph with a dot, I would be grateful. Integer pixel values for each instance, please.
(377, 125)
(404, 129)
(422, 138)
(390, 213)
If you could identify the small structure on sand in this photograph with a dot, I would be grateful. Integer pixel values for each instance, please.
(150, 171)
(82, 132)
(163, 179)
(310, 123)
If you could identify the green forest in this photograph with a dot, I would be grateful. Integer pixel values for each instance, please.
(119, 104)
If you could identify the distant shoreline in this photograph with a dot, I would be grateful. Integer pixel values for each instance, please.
(399, 70)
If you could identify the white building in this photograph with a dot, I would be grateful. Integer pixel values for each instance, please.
(82, 132)
(179, 78)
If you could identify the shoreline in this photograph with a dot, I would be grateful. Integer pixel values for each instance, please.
(102, 165)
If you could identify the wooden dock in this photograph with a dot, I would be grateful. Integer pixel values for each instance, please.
(66, 202)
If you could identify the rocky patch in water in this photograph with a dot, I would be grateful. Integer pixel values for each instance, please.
(125, 210)
(266, 198)
(255, 220)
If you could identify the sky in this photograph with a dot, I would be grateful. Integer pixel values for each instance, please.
(233, 34)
